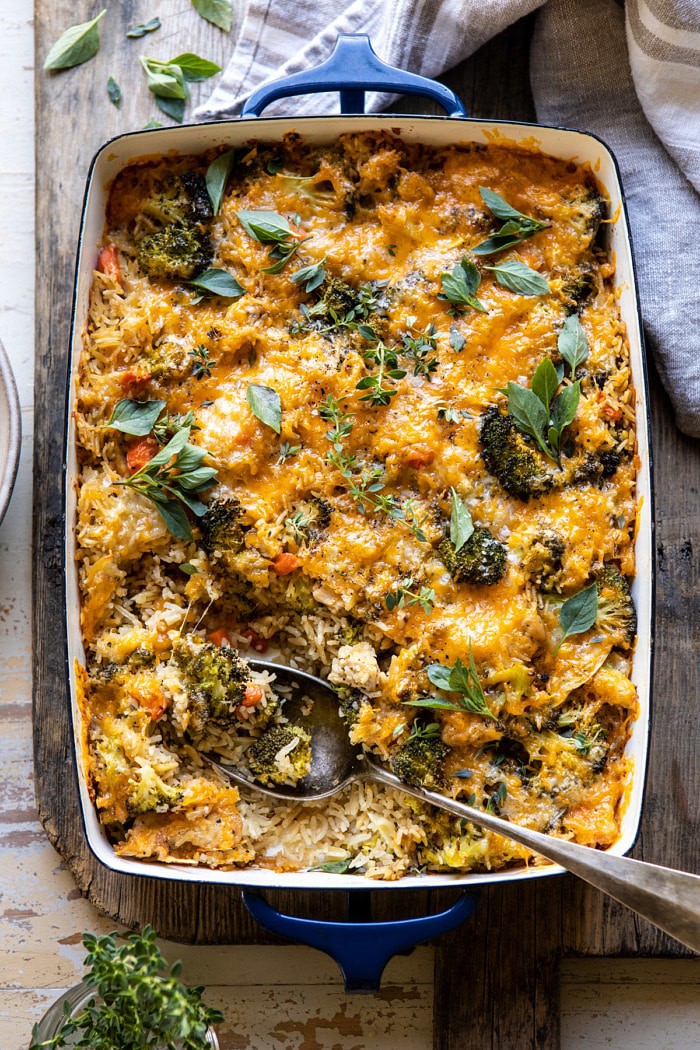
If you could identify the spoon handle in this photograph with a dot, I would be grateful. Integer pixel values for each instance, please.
(668, 898)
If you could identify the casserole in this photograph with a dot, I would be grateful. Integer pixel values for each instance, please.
(567, 145)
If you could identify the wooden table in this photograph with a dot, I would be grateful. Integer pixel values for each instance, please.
(496, 980)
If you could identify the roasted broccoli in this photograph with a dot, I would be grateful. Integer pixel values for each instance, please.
(482, 559)
(151, 794)
(168, 360)
(351, 701)
(542, 561)
(216, 683)
(595, 468)
(579, 286)
(616, 613)
(420, 761)
(590, 208)
(222, 531)
(509, 459)
(299, 595)
(179, 247)
(339, 305)
(282, 755)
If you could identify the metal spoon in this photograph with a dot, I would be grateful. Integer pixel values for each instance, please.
(670, 899)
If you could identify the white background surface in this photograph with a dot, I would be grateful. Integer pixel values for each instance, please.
(273, 997)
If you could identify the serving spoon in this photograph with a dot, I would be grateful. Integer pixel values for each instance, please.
(668, 898)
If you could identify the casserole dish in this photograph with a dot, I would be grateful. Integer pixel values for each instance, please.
(352, 69)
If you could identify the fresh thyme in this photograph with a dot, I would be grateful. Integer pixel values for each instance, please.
(418, 348)
(202, 363)
(268, 227)
(387, 361)
(403, 596)
(288, 451)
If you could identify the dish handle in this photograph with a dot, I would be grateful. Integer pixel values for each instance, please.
(353, 68)
(361, 948)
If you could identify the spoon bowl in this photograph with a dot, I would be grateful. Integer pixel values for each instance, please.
(668, 898)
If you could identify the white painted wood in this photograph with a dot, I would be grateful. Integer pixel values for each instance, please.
(281, 997)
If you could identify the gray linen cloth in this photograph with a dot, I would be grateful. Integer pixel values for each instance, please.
(631, 77)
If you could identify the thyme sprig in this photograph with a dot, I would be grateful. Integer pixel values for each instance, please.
(403, 596)
(418, 348)
(202, 363)
(387, 360)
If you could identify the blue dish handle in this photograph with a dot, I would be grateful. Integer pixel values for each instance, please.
(353, 68)
(361, 949)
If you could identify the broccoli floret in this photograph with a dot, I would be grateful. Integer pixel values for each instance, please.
(590, 208)
(579, 286)
(482, 559)
(271, 760)
(179, 252)
(216, 679)
(222, 530)
(616, 612)
(509, 459)
(420, 761)
(150, 794)
(542, 561)
(180, 246)
(299, 595)
(595, 468)
(338, 304)
(350, 702)
(168, 360)
(141, 658)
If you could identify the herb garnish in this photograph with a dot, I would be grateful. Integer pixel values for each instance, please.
(218, 282)
(516, 228)
(202, 363)
(572, 343)
(457, 340)
(288, 451)
(217, 176)
(449, 414)
(137, 31)
(331, 411)
(519, 278)
(402, 596)
(265, 404)
(114, 92)
(268, 227)
(173, 479)
(337, 867)
(461, 524)
(460, 287)
(456, 679)
(387, 360)
(417, 348)
(218, 12)
(311, 276)
(76, 45)
(538, 413)
(138, 1001)
(168, 80)
(136, 418)
(578, 614)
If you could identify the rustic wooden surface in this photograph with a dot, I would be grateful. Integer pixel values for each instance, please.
(496, 979)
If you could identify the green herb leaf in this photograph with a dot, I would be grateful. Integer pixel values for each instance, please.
(335, 867)
(464, 681)
(219, 282)
(457, 341)
(460, 287)
(137, 31)
(517, 277)
(156, 123)
(164, 79)
(528, 412)
(135, 417)
(195, 68)
(565, 406)
(432, 703)
(545, 381)
(188, 568)
(265, 404)
(313, 275)
(217, 176)
(572, 343)
(76, 45)
(265, 226)
(500, 207)
(463, 774)
(461, 524)
(516, 228)
(578, 613)
(172, 107)
(218, 12)
(114, 92)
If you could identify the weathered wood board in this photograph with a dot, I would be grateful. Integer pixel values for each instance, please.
(496, 978)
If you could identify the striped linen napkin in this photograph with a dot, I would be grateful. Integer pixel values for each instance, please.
(631, 77)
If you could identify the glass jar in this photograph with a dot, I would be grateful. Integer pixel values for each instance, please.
(78, 998)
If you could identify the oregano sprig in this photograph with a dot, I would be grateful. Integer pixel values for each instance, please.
(460, 679)
(516, 226)
(538, 413)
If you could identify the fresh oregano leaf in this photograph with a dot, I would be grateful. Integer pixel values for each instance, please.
(165, 79)
(217, 176)
(137, 31)
(529, 413)
(219, 282)
(76, 45)
(265, 226)
(565, 405)
(432, 703)
(218, 12)
(172, 107)
(517, 277)
(578, 613)
(335, 867)
(461, 524)
(195, 68)
(310, 276)
(114, 92)
(460, 286)
(457, 340)
(545, 381)
(135, 417)
(572, 343)
(265, 404)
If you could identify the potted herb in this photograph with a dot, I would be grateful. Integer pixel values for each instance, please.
(130, 1000)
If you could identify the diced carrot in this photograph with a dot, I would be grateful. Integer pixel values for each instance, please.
(141, 452)
(285, 563)
(420, 456)
(134, 382)
(219, 637)
(257, 642)
(253, 695)
(611, 412)
(108, 262)
(152, 700)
